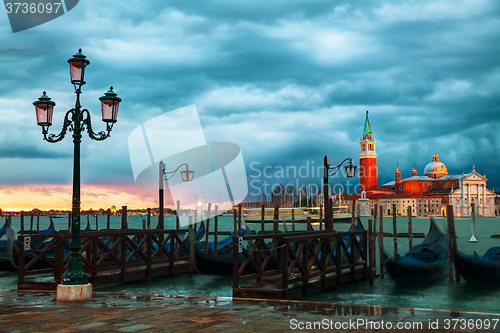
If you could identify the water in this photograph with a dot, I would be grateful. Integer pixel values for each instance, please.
(440, 295)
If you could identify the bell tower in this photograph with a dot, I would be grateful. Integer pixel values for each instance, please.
(367, 158)
(397, 173)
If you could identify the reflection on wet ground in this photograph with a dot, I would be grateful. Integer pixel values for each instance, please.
(126, 312)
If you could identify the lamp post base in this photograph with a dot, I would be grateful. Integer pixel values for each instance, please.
(78, 292)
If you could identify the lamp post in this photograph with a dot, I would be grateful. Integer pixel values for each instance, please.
(76, 120)
(350, 172)
(186, 175)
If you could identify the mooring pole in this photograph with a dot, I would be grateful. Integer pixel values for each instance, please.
(453, 241)
(395, 232)
(370, 251)
(381, 241)
(262, 219)
(216, 228)
(410, 230)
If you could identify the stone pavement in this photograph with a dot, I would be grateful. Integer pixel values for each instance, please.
(28, 311)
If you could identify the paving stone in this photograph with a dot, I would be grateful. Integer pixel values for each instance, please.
(25, 311)
(135, 328)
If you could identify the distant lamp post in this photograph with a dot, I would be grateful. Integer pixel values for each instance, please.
(350, 171)
(76, 120)
(186, 175)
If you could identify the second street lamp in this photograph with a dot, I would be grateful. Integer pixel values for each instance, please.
(76, 120)
(186, 175)
(350, 172)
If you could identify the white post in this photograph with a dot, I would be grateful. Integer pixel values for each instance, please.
(473, 238)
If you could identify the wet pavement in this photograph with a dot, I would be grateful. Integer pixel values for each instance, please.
(28, 311)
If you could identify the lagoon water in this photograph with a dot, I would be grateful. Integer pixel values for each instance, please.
(439, 295)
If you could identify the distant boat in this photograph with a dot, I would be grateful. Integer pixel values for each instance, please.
(285, 214)
(479, 269)
(59, 215)
(425, 261)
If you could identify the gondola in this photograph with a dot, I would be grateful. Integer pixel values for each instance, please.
(479, 269)
(220, 263)
(9, 250)
(424, 262)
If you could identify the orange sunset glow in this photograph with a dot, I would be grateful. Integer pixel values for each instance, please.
(58, 197)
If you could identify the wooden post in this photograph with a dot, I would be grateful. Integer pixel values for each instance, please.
(410, 229)
(31, 223)
(22, 224)
(149, 245)
(38, 222)
(195, 214)
(207, 227)
(284, 269)
(20, 256)
(371, 253)
(178, 211)
(381, 241)
(143, 224)
(262, 219)
(216, 228)
(309, 226)
(96, 222)
(293, 219)
(192, 244)
(108, 219)
(235, 220)
(395, 232)
(321, 217)
(124, 218)
(88, 221)
(239, 220)
(353, 213)
(275, 219)
(149, 219)
(330, 217)
(453, 241)
(236, 262)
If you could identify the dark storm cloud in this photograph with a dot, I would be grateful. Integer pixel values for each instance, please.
(289, 81)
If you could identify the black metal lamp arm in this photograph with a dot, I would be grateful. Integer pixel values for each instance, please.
(67, 125)
(100, 136)
(336, 168)
(173, 172)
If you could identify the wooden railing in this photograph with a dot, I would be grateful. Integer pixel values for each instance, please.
(107, 256)
(300, 258)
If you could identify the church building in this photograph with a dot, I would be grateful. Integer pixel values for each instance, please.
(427, 194)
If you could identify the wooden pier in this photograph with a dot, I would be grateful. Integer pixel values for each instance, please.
(108, 257)
(297, 264)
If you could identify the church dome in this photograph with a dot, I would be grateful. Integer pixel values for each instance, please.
(435, 169)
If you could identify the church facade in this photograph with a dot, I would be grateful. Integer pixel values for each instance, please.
(426, 194)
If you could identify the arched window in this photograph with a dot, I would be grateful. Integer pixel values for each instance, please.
(429, 187)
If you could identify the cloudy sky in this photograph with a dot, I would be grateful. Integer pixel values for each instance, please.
(288, 81)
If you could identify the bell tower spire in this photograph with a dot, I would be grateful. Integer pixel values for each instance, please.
(367, 158)
(397, 177)
(414, 171)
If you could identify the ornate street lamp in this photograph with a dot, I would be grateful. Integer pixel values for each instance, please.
(350, 172)
(76, 120)
(186, 175)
